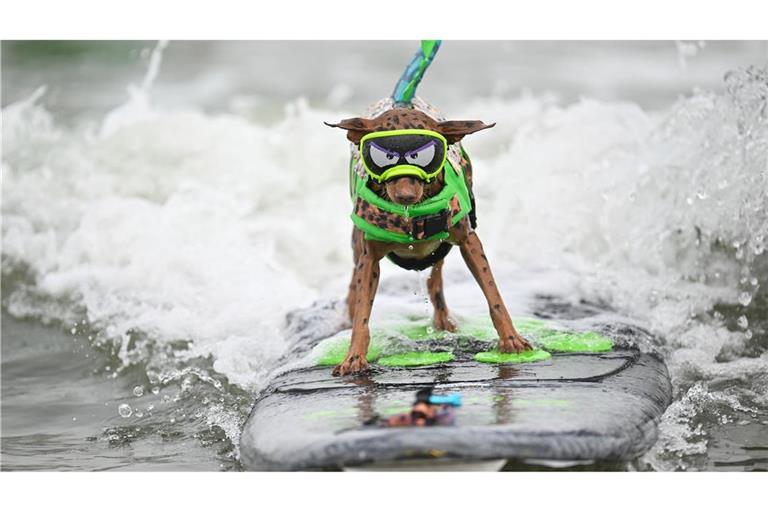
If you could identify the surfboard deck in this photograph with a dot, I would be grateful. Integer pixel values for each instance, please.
(572, 408)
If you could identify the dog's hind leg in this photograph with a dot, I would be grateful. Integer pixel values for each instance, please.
(357, 249)
(442, 319)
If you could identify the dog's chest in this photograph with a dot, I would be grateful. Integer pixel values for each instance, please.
(417, 250)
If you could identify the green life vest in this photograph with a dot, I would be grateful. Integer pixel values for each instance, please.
(430, 219)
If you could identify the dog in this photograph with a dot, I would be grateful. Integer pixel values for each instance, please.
(411, 185)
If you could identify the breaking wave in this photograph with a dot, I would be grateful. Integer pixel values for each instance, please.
(175, 236)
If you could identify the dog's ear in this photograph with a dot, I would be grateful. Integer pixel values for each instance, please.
(356, 128)
(454, 131)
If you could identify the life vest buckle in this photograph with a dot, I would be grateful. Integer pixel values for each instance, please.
(426, 226)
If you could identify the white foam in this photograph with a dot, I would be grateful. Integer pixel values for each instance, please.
(182, 226)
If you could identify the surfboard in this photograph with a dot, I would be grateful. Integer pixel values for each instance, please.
(583, 398)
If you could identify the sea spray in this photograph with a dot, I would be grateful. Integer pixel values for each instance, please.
(137, 108)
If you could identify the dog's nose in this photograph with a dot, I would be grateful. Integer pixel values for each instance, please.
(406, 197)
(405, 190)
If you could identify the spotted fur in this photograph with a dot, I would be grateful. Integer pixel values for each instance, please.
(382, 219)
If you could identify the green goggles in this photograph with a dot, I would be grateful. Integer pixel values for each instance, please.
(394, 153)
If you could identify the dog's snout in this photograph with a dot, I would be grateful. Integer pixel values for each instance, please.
(405, 191)
(406, 197)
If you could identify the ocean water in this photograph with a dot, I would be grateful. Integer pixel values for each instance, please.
(175, 221)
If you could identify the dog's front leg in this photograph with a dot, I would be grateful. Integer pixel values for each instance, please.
(366, 280)
(474, 256)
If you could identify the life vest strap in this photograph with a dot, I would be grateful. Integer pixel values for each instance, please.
(423, 227)
(430, 219)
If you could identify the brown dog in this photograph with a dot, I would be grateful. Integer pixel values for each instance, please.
(424, 251)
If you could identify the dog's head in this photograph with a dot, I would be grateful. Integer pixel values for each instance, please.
(405, 176)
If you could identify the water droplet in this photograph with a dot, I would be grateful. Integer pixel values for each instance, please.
(155, 390)
(150, 407)
(125, 410)
(74, 418)
(138, 391)
(748, 334)
(73, 330)
(173, 420)
(743, 322)
(165, 399)
(410, 247)
(689, 200)
(745, 298)
(702, 195)
(753, 281)
(139, 414)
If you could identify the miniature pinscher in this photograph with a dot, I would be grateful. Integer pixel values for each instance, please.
(411, 187)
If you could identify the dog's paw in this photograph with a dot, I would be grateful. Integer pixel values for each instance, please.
(351, 364)
(443, 322)
(514, 343)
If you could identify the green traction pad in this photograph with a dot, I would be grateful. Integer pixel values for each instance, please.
(576, 342)
(416, 359)
(496, 357)
(478, 329)
(544, 336)
(335, 353)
